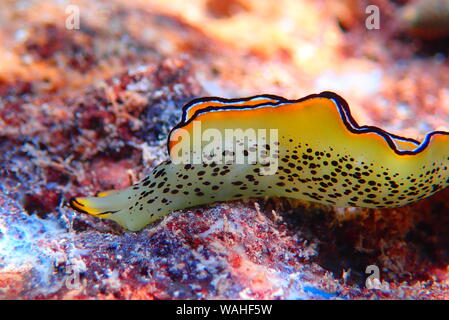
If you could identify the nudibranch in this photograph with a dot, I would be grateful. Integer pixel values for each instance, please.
(309, 149)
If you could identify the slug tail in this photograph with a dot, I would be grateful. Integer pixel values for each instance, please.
(102, 206)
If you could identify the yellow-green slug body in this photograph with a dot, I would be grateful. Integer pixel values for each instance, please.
(312, 150)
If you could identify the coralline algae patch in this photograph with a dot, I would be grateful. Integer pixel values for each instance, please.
(218, 254)
(26, 259)
(280, 272)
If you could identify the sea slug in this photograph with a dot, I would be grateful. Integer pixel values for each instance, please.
(309, 149)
